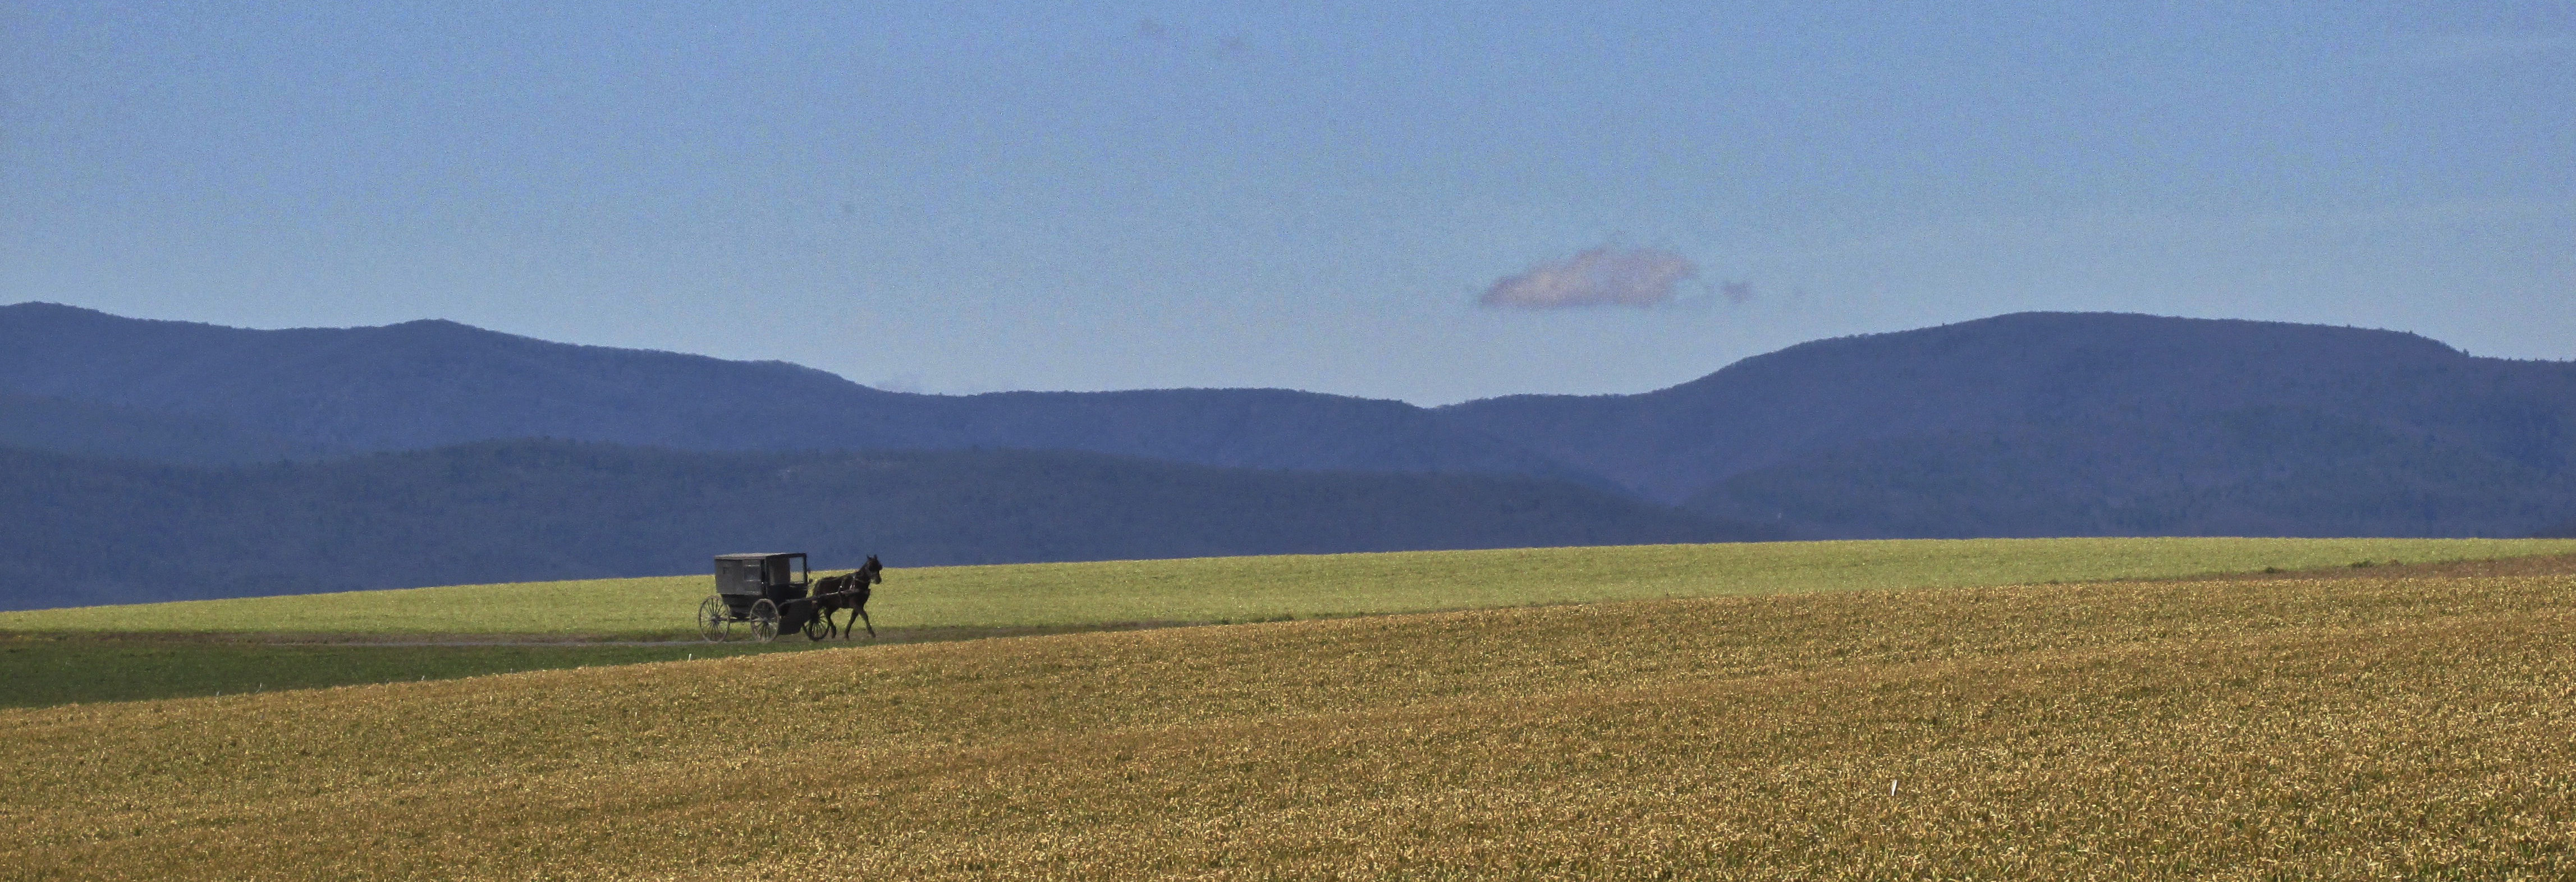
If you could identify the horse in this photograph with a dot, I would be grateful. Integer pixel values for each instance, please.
(829, 596)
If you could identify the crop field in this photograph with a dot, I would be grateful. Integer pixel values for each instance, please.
(40, 671)
(2400, 723)
(1241, 589)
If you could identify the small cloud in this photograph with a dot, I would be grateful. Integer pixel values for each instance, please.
(1150, 29)
(1736, 292)
(1599, 276)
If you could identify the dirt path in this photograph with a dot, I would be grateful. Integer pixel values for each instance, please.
(2543, 565)
(884, 636)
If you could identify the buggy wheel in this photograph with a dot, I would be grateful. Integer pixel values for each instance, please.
(714, 619)
(764, 620)
(817, 627)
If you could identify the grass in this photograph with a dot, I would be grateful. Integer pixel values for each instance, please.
(51, 669)
(2352, 727)
(40, 671)
(1240, 589)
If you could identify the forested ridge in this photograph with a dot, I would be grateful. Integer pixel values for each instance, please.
(88, 530)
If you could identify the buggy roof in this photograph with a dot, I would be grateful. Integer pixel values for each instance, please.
(765, 555)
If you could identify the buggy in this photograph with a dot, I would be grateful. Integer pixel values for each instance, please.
(764, 592)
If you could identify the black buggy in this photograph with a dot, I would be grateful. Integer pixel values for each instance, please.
(766, 593)
(772, 592)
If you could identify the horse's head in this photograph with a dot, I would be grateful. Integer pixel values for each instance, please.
(875, 571)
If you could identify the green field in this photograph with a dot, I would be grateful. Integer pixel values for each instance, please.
(40, 671)
(1240, 589)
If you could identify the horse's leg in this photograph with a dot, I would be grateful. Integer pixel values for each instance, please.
(872, 623)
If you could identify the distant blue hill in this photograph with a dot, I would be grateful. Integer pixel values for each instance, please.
(46, 423)
(2026, 424)
(85, 530)
(2088, 424)
(430, 383)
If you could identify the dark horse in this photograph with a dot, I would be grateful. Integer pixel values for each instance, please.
(847, 591)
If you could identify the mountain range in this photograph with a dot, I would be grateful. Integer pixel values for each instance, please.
(2019, 425)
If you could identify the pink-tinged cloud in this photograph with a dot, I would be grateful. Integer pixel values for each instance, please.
(1597, 277)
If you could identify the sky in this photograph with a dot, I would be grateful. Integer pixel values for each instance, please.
(1429, 202)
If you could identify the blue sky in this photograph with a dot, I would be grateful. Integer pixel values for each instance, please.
(969, 197)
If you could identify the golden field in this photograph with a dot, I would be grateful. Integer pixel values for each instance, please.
(2401, 725)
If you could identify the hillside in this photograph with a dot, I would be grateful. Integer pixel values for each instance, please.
(2342, 728)
(47, 423)
(2258, 471)
(430, 383)
(2089, 424)
(88, 530)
